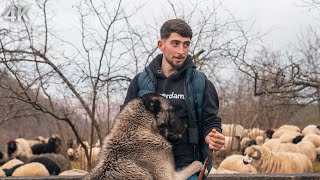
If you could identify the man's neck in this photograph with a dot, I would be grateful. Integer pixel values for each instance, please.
(166, 68)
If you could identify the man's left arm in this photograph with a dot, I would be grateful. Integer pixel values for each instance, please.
(211, 122)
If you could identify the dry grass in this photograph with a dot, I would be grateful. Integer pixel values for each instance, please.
(316, 167)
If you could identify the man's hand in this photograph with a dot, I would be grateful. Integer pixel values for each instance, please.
(215, 140)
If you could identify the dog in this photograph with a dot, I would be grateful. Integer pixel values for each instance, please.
(137, 147)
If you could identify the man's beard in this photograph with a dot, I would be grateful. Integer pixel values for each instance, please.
(171, 62)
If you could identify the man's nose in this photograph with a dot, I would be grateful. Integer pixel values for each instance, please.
(180, 49)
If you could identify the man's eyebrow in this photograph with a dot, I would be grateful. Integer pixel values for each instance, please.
(175, 40)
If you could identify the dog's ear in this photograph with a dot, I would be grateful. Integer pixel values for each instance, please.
(150, 104)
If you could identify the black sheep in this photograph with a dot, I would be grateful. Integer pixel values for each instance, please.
(11, 147)
(52, 146)
(50, 165)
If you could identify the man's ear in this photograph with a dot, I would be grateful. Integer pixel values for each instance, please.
(161, 45)
(150, 104)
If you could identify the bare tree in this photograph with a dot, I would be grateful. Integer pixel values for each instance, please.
(87, 76)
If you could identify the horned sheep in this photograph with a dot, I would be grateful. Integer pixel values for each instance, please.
(266, 161)
(235, 164)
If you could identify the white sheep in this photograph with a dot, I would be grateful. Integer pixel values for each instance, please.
(10, 164)
(2, 173)
(314, 138)
(311, 129)
(253, 133)
(23, 150)
(266, 161)
(232, 143)
(233, 130)
(278, 133)
(234, 163)
(80, 154)
(73, 172)
(31, 169)
(290, 127)
(287, 138)
(259, 140)
(306, 148)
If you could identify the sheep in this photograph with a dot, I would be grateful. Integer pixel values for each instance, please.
(287, 138)
(52, 146)
(73, 172)
(266, 161)
(233, 130)
(222, 171)
(232, 143)
(306, 148)
(246, 142)
(94, 157)
(314, 138)
(311, 129)
(71, 154)
(259, 140)
(2, 173)
(31, 169)
(20, 149)
(269, 132)
(235, 163)
(58, 159)
(50, 165)
(297, 139)
(253, 133)
(290, 127)
(10, 164)
(280, 132)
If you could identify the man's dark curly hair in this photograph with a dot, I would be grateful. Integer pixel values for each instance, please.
(175, 25)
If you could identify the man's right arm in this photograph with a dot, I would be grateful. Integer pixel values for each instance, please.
(132, 91)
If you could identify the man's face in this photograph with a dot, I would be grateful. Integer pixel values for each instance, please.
(175, 49)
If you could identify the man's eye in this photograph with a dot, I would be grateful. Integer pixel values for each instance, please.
(175, 44)
(186, 45)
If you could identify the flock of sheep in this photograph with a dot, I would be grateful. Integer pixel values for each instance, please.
(39, 157)
(285, 150)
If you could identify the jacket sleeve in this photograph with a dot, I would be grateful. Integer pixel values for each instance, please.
(210, 108)
(132, 91)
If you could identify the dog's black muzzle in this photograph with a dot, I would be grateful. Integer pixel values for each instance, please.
(176, 128)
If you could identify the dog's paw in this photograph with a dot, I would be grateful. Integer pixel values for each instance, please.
(197, 165)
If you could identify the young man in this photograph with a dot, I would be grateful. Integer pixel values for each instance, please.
(166, 75)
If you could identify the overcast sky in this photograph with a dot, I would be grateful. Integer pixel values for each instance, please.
(283, 19)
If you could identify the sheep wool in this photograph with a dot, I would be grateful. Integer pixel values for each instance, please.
(290, 127)
(311, 129)
(31, 169)
(314, 138)
(234, 163)
(266, 161)
(73, 172)
(10, 164)
(2, 173)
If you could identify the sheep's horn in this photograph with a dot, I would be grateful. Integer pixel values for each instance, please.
(257, 154)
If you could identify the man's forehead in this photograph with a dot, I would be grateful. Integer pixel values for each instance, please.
(177, 37)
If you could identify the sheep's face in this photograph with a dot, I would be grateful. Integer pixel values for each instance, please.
(251, 153)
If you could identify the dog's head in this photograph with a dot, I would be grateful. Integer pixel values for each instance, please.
(166, 120)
